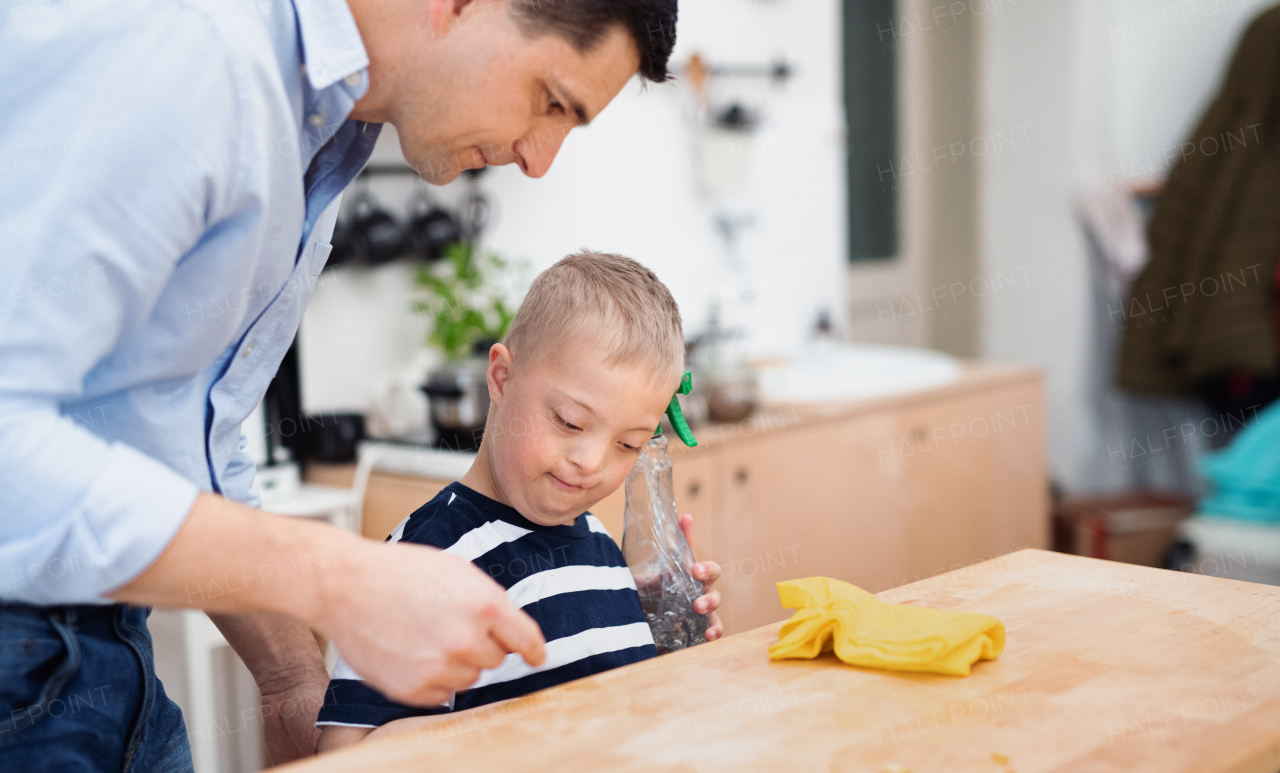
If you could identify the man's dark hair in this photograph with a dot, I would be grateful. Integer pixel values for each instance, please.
(584, 23)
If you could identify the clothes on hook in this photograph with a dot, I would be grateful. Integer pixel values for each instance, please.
(1204, 308)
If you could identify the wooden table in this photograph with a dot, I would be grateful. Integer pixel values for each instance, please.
(1108, 667)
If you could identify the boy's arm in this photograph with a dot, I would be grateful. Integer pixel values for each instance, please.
(333, 737)
(286, 662)
(422, 723)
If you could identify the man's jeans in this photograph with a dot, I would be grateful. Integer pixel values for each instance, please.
(78, 693)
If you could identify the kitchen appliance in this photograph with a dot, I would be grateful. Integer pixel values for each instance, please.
(368, 236)
(458, 400)
(397, 407)
(333, 437)
(727, 385)
(731, 392)
(431, 229)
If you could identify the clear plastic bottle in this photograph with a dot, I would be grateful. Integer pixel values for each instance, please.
(658, 554)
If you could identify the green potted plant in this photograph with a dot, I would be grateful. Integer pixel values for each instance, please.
(467, 301)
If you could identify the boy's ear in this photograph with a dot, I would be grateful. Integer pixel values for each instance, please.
(500, 362)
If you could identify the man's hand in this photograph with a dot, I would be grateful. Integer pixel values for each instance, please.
(416, 623)
(707, 572)
(419, 624)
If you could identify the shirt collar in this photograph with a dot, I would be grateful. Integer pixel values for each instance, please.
(493, 508)
(331, 44)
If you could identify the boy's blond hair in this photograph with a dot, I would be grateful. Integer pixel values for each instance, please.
(604, 298)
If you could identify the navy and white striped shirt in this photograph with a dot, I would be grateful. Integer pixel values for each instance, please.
(571, 579)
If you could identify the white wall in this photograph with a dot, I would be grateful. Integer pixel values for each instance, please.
(1106, 87)
(1167, 61)
(626, 185)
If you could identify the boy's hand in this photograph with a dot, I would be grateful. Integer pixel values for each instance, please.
(706, 572)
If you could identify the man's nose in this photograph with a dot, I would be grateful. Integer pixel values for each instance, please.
(538, 149)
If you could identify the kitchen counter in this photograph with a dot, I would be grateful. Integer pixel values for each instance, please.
(976, 377)
(1108, 667)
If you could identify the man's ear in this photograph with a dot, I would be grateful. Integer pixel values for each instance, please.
(500, 362)
(445, 15)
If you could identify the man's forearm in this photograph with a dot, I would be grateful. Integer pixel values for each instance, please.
(415, 622)
(228, 558)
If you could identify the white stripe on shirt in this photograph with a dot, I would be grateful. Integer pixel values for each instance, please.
(482, 539)
(593, 524)
(398, 534)
(569, 649)
(569, 579)
(342, 671)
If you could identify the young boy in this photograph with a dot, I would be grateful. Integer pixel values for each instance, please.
(593, 357)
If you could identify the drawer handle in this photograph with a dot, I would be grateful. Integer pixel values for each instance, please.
(741, 475)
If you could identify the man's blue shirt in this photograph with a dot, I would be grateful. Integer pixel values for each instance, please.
(170, 173)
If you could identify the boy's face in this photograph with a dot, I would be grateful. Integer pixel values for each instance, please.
(565, 431)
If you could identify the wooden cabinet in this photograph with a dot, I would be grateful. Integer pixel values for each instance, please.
(699, 490)
(803, 503)
(975, 486)
(389, 499)
(393, 497)
(878, 493)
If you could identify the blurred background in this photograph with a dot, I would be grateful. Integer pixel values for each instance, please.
(1001, 112)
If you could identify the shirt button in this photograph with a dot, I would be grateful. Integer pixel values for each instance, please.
(248, 350)
(316, 120)
(353, 79)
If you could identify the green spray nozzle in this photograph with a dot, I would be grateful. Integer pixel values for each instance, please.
(677, 416)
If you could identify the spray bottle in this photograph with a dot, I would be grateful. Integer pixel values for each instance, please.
(654, 546)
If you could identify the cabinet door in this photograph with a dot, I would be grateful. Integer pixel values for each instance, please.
(806, 502)
(976, 481)
(390, 498)
(697, 479)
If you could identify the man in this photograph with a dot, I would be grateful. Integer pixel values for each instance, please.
(169, 179)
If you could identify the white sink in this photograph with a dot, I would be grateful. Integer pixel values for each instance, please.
(828, 372)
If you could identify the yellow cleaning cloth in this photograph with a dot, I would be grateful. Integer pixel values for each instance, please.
(865, 631)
